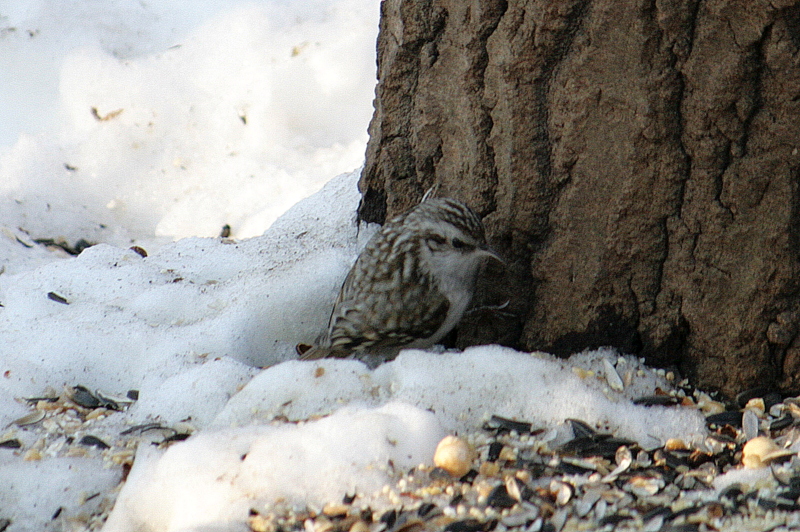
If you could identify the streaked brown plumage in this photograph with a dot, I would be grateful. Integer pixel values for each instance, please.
(410, 285)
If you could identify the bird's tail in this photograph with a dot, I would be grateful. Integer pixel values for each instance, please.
(315, 352)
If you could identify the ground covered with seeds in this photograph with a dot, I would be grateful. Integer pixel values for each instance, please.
(80, 423)
(506, 475)
(517, 480)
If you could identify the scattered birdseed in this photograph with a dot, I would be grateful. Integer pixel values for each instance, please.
(512, 475)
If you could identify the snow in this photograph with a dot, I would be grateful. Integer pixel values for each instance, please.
(149, 121)
(363, 420)
(343, 451)
(461, 388)
(226, 113)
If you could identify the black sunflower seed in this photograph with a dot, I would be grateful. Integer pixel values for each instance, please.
(499, 498)
(502, 424)
(581, 429)
(468, 525)
(389, 518)
(425, 509)
(83, 397)
(52, 296)
(93, 441)
(742, 398)
(656, 400)
(782, 422)
(733, 418)
(494, 451)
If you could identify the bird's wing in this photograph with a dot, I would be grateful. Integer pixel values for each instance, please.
(388, 318)
(315, 352)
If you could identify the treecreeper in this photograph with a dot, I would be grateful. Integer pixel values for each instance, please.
(410, 285)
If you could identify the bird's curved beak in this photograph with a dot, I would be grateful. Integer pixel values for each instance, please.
(492, 254)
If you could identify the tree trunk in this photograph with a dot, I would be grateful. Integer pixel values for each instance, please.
(635, 161)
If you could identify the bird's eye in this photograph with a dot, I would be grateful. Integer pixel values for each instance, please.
(459, 244)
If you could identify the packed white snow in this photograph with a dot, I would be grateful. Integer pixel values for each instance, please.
(126, 121)
(395, 414)
(154, 124)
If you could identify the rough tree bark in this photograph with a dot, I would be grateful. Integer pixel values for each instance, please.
(636, 162)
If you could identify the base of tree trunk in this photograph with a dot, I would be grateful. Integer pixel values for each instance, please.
(635, 162)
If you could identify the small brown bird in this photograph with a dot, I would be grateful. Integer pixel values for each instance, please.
(410, 285)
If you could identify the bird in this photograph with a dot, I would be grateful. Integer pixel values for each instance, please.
(410, 285)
